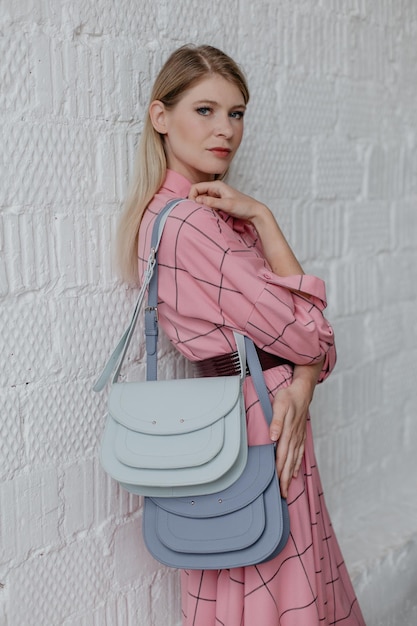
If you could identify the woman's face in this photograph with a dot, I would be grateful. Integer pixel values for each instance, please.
(203, 130)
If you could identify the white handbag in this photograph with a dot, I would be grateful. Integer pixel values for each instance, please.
(175, 437)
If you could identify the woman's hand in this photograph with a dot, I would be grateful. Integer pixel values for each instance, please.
(288, 427)
(217, 195)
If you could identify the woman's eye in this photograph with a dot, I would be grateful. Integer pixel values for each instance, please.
(203, 110)
(237, 115)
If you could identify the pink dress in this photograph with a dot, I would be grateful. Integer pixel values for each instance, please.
(213, 279)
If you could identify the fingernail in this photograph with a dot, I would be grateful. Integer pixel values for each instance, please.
(274, 437)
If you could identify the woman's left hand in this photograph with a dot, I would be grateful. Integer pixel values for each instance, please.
(289, 422)
(220, 196)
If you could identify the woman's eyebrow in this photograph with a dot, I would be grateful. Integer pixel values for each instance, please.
(214, 103)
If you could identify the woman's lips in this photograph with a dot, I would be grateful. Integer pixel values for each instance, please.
(220, 152)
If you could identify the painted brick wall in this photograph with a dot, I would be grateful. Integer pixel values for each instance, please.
(330, 145)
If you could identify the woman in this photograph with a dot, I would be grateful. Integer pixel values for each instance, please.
(225, 265)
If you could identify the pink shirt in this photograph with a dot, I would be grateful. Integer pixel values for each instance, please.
(213, 279)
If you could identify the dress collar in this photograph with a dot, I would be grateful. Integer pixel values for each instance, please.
(177, 184)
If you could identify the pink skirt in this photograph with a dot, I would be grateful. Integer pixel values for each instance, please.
(306, 585)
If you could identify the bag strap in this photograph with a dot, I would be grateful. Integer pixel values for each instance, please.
(119, 353)
(245, 347)
(258, 379)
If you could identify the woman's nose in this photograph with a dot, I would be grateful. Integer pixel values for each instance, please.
(224, 127)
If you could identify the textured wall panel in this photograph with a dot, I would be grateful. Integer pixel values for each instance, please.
(357, 286)
(30, 10)
(46, 163)
(353, 342)
(341, 453)
(338, 173)
(115, 158)
(361, 393)
(287, 170)
(318, 231)
(369, 228)
(76, 577)
(25, 353)
(268, 18)
(97, 81)
(92, 498)
(127, 18)
(84, 256)
(201, 22)
(320, 43)
(29, 261)
(88, 328)
(131, 560)
(308, 107)
(406, 225)
(62, 421)
(11, 440)
(16, 80)
(29, 514)
(409, 322)
(398, 277)
(323, 418)
(166, 599)
(134, 608)
(399, 383)
(387, 172)
(360, 108)
(386, 333)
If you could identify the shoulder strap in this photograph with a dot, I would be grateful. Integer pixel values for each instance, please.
(119, 353)
(258, 379)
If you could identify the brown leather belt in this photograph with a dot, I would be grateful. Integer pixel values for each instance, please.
(228, 364)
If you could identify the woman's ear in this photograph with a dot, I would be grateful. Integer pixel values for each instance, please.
(157, 113)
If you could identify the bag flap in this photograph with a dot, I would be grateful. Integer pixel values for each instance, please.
(236, 531)
(173, 406)
(172, 452)
(203, 550)
(257, 475)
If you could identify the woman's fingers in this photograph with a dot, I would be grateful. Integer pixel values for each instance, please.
(288, 428)
(299, 460)
(288, 463)
(219, 195)
(210, 188)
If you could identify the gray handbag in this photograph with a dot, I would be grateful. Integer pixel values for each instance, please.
(173, 437)
(245, 524)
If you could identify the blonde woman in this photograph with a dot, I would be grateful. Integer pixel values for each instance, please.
(225, 265)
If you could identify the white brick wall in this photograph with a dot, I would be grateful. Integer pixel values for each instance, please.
(331, 146)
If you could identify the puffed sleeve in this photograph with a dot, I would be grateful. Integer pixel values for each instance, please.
(221, 277)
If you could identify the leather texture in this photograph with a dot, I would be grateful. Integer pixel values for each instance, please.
(243, 525)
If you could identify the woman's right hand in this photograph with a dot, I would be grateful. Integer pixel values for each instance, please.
(218, 195)
(289, 422)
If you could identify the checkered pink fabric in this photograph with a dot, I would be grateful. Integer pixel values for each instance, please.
(213, 279)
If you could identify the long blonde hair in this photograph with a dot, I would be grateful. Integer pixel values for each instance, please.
(185, 67)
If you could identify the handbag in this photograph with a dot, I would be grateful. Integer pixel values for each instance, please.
(245, 524)
(173, 437)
